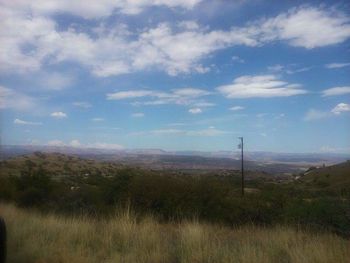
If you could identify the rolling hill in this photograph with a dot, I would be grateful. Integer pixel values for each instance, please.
(334, 176)
(63, 165)
(56, 164)
(162, 160)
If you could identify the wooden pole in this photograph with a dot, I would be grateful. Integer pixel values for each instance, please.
(242, 165)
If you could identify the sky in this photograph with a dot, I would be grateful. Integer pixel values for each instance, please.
(176, 74)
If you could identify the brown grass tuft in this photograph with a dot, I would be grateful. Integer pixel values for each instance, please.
(35, 238)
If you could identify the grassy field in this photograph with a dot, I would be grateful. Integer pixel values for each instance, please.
(33, 237)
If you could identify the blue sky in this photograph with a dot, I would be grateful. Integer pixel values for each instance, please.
(176, 75)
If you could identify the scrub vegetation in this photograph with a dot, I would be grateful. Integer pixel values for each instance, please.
(139, 215)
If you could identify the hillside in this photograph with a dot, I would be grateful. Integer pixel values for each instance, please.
(57, 164)
(66, 162)
(70, 185)
(36, 237)
(333, 177)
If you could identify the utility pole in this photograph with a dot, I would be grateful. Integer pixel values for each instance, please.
(240, 146)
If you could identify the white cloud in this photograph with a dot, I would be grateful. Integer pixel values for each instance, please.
(236, 108)
(307, 27)
(313, 115)
(58, 115)
(120, 95)
(209, 132)
(276, 68)
(203, 104)
(18, 29)
(195, 111)
(11, 99)
(337, 65)
(97, 119)
(90, 9)
(280, 116)
(138, 115)
(113, 52)
(329, 149)
(288, 69)
(55, 81)
(167, 131)
(341, 107)
(189, 25)
(109, 51)
(261, 86)
(237, 59)
(82, 104)
(182, 96)
(181, 52)
(22, 122)
(190, 92)
(336, 91)
(102, 145)
(56, 143)
(298, 70)
(33, 142)
(77, 144)
(177, 124)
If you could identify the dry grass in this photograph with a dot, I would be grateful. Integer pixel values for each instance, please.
(54, 239)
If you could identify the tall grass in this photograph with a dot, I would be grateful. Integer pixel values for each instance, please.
(41, 238)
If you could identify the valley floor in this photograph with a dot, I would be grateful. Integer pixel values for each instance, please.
(50, 238)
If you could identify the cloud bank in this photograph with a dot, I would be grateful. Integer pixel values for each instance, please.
(174, 48)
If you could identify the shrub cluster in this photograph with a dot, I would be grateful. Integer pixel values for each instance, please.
(213, 199)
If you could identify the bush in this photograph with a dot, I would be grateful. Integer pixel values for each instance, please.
(7, 188)
(322, 213)
(209, 198)
(33, 189)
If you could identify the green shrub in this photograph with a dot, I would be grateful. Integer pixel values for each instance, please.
(208, 198)
(33, 189)
(322, 213)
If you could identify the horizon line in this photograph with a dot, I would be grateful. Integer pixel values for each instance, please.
(82, 147)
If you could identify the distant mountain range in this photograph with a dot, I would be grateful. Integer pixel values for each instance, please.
(273, 163)
(7, 151)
